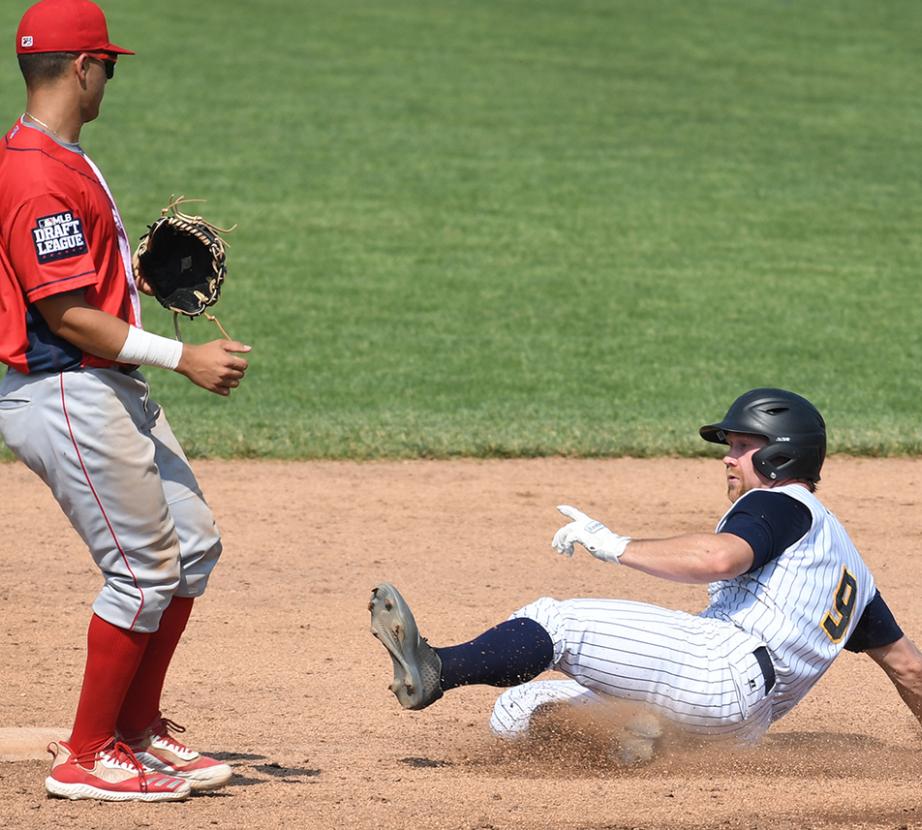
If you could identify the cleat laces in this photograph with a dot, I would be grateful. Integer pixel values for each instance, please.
(119, 755)
(162, 733)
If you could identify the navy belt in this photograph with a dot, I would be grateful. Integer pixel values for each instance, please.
(768, 670)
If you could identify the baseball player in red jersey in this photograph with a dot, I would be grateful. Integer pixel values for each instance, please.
(76, 410)
(788, 591)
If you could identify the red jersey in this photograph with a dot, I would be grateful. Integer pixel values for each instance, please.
(59, 231)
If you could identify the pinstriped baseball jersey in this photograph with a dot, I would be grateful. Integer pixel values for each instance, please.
(803, 605)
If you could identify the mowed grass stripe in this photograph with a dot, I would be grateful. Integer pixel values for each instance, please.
(529, 228)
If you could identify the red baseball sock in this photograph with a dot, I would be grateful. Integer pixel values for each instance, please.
(142, 702)
(112, 658)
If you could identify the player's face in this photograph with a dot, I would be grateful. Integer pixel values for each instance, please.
(93, 76)
(742, 476)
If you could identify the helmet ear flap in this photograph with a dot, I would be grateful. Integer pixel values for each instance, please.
(761, 463)
(770, 462)
(788, 461)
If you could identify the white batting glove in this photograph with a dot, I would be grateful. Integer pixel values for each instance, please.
(601, 542)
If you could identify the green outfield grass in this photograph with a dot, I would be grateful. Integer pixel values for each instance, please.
(529, 227)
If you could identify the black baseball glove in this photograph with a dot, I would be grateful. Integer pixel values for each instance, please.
(182, 258)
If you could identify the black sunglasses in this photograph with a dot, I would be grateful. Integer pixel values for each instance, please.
(108, 66)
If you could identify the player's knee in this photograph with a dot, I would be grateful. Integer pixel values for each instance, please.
(543, 608)
(137, 604)
(546, 612)
(509, 719)
(195, 526)
(197, 568)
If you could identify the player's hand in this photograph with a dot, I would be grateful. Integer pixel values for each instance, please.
(144, 286)
(139, 279)
(214, 366)
(601, 542)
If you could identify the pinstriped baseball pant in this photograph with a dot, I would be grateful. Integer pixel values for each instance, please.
(698, 673)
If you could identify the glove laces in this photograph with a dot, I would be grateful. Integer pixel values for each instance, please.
(217, 230)
(176, 201)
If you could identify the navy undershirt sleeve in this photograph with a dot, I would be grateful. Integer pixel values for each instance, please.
(769, 522)
(876, 628)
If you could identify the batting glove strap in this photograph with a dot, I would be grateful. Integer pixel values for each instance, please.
(601, 542)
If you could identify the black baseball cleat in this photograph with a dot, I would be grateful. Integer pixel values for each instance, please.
(417, 667)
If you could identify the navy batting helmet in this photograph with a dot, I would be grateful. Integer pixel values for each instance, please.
(795, 430)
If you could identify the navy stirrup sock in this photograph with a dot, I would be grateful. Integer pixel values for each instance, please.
(510, 653)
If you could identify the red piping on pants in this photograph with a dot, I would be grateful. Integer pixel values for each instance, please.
(102, 509)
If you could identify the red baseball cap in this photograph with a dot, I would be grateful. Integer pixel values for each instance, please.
(65, 26)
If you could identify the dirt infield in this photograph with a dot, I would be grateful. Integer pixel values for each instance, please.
(279, 674)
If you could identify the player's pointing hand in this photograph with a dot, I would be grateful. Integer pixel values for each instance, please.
(214, 366)
(601, 542)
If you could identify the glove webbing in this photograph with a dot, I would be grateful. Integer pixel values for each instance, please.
(216, 245)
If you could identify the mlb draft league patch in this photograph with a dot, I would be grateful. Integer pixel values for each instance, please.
(58, 236)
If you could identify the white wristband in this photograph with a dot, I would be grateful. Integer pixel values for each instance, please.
(150, 349)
